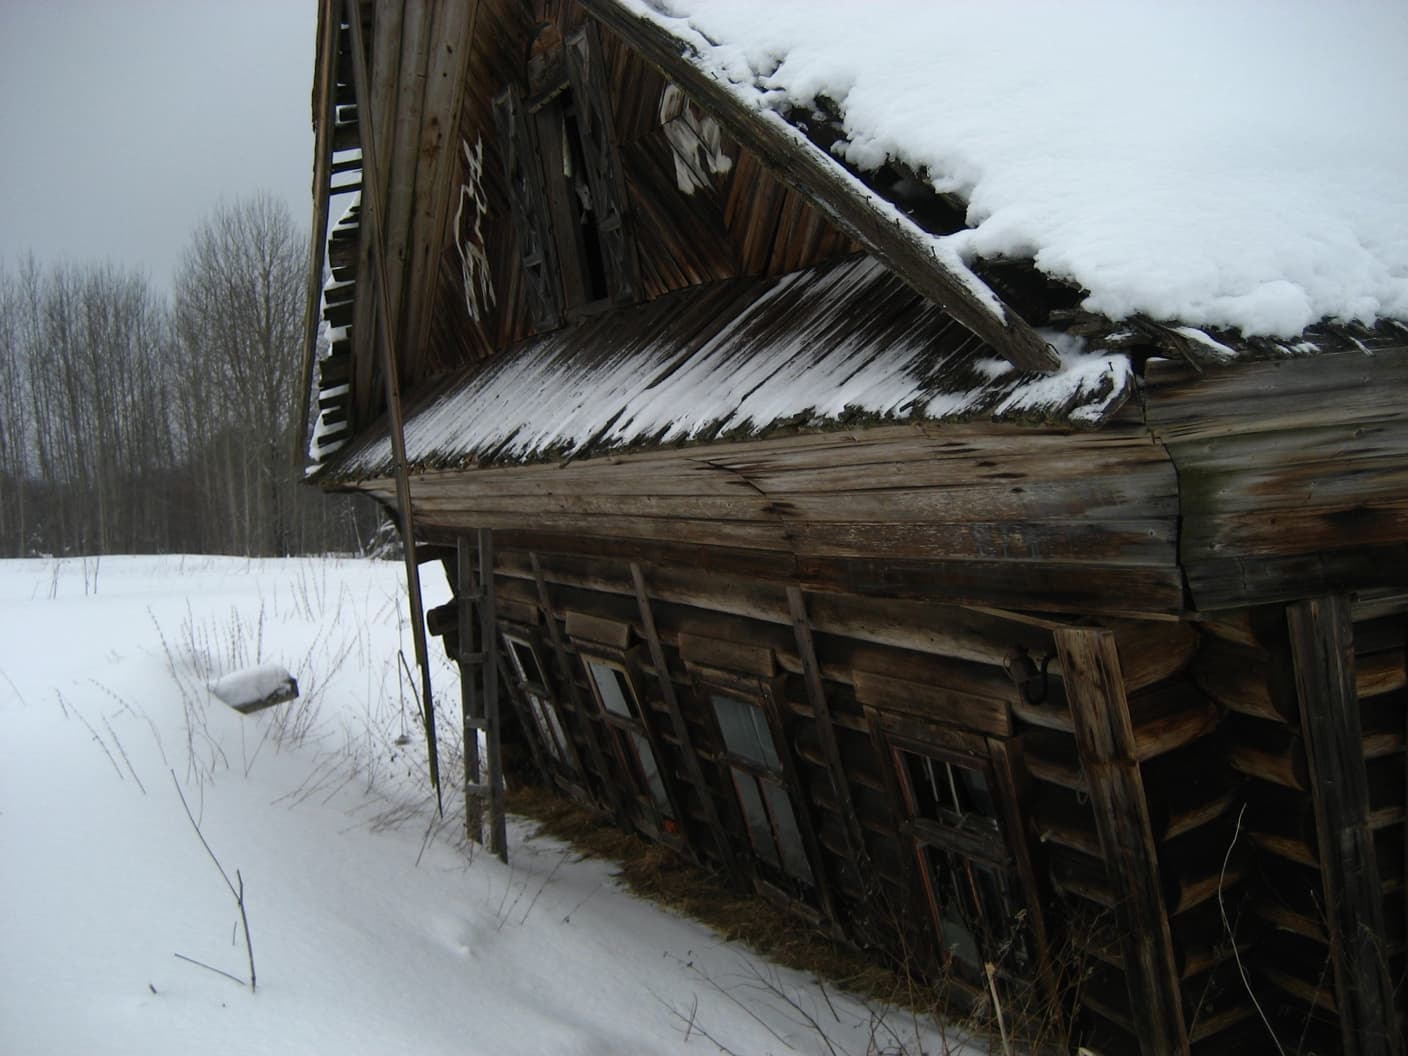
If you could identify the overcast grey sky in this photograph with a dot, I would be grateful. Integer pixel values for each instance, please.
(124, 122)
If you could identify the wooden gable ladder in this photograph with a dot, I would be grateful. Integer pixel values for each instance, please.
(479, 693)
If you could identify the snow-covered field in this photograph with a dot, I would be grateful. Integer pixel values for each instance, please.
(374, 930)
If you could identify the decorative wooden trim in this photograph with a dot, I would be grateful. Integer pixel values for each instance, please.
(1105, 740)
(900, 243)
(678, 724)
(1322, 651)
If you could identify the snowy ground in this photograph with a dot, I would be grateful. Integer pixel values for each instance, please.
(374, 930)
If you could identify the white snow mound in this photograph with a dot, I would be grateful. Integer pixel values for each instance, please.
(253, 687)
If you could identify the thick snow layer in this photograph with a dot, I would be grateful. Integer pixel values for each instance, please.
(1228, 163)
(373, 931)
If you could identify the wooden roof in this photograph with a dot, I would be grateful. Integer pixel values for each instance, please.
(824, 348)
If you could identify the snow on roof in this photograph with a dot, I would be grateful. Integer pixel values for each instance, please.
(1225, 163)
(818, 348)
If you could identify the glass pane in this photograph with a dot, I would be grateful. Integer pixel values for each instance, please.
(613, 688)
(756, 815)
(555, 725)
(745, 730)
(948, 792)
(525, 662)
(651, 771)
(513, 658)
(789, 837)
(953, 896)
(535, 708)
(975, 796)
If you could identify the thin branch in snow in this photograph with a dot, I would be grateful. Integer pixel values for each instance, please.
(236, 891)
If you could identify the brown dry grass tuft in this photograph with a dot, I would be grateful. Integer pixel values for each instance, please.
(656, 872)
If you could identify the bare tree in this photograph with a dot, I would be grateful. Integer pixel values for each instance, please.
(239, 313)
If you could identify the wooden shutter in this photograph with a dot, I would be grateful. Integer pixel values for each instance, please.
(519, 149)
(603, 164)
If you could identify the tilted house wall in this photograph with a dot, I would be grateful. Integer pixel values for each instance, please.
(968, 625)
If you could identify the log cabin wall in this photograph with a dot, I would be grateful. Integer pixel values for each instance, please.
(869, 710)
(1249, 667)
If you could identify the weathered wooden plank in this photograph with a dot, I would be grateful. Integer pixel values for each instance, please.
(937, 702)
(1322, 649)
(1049, 586)
(901, 242)
(756, 535)
(438, 161)
(1132, 542)
(1276, 532)
(1346, 388)
(1106, 743)
(1235, 581)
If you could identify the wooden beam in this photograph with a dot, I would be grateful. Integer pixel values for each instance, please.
(1322, 651)
(884, 230)
(1105, 741)
(393, 396)
(825, 729)
(678, 724)
(585, 725)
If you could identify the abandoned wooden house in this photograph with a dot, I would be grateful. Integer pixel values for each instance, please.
(1041, 652)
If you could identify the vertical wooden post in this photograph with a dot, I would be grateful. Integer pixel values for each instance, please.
(1322, 651)
(489, 639)
(470, 709)
(1090, 667)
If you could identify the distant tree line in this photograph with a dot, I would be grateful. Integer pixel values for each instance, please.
(130, 423)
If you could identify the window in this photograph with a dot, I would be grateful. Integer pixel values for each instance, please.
(760, 786)
(964, 864)
(533, 685)
(620, 707)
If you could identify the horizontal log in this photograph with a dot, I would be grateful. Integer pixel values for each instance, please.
(935, 702)
(1238, 581)
(1168, 717)
(1338, 484)
(1147, 542)
(1042, 585)
(1305, 529)
(1274, 395)
(1246, 681)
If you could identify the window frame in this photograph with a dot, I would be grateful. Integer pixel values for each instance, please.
(559, 751)
(658, 812)
(970, 850)
(774, 880)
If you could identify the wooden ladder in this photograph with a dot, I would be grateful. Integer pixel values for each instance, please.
(479, 692)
